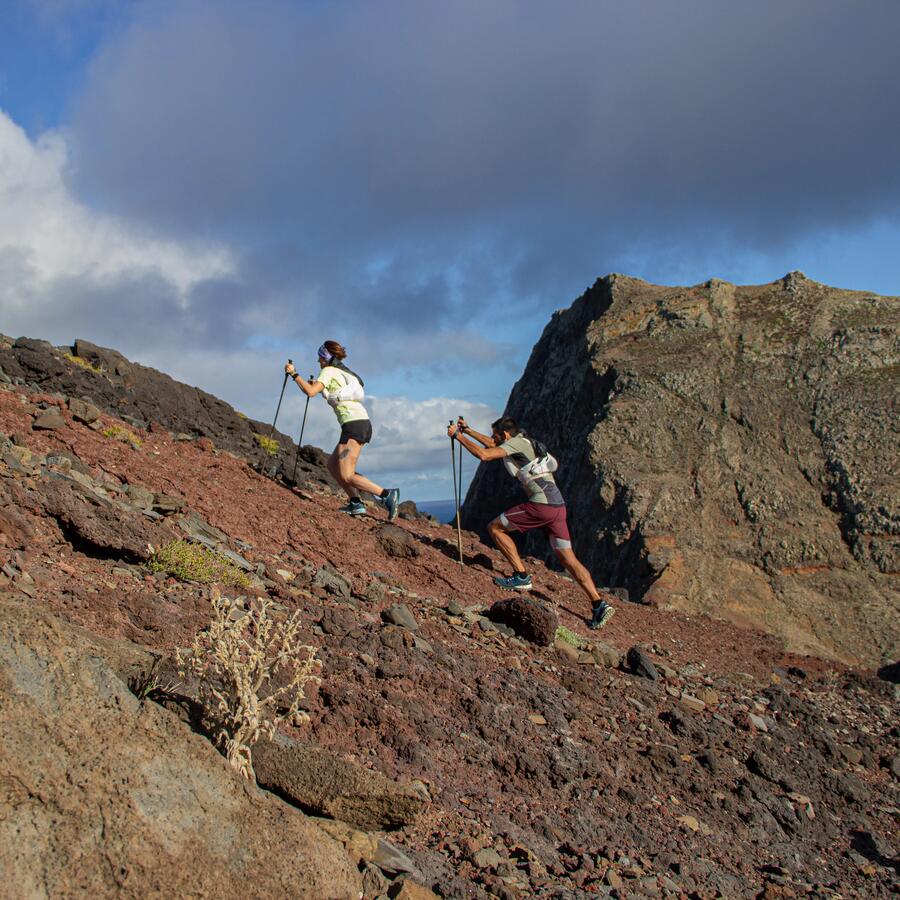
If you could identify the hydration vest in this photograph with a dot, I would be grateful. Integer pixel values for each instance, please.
(544, 463)
(352, 389)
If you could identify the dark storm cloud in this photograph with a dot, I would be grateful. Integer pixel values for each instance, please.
(404, 161)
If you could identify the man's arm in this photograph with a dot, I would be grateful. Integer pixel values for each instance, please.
(485, 454)
(471, 432)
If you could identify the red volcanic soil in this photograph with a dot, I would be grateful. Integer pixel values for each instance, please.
(583, 779)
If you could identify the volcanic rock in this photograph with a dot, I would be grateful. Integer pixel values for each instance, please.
(397, 542)
(320, 782)
(15, 526)
(404, 889)
(80, 749)
(727, 450)
(83, 411)
(639, 662)
(49, 420)
(605, 654)
(106, 530)
(393, 860)
(332, 581)
(166, 503)
(401, 616)
(139, 497)
(528, 618)
(136, 393)
(890, 672)
(408, 510)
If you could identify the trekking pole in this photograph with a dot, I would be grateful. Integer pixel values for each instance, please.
(280, 398)
(459, 490)
(456, 490)
(300, 442)
(461, 500)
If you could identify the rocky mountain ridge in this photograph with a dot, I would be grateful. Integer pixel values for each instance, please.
(143, 397)
(461, 744)
(728, 450)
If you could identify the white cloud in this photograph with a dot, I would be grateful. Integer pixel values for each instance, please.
(410, 446)
(409, 449)
(49, 241)
(68, 270)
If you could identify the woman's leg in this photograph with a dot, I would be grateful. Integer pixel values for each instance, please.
(335, 470)
(346, 456)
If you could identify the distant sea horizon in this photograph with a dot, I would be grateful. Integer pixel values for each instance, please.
(443, 510)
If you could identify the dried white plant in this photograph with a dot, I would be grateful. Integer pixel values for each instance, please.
(234, 659)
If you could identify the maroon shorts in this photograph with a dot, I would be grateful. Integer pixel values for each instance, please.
(552, 519)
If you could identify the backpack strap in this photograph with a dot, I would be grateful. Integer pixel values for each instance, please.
(339, 365)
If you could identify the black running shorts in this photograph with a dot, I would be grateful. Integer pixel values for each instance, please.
(359, 429)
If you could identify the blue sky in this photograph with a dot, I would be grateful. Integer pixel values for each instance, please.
(212, 187)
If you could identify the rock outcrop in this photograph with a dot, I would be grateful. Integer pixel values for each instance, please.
(104, 795)
(145, 397)
(728, 450)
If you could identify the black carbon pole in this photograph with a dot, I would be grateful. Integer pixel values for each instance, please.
(456, 489)
(300, 442)
(459, 472)
(280, 398)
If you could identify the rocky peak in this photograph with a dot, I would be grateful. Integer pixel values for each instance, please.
(726, 449)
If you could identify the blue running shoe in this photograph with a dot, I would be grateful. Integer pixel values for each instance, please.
(603, 612)
(354, 508)
(518, 581)
(391, 502)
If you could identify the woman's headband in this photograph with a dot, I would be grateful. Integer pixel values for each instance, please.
(325, 354)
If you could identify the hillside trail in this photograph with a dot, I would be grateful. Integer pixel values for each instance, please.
(274, 520)
(548, 772)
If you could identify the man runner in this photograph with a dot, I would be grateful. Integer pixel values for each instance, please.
(545, 508)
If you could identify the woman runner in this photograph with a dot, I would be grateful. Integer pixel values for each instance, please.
(343, 389)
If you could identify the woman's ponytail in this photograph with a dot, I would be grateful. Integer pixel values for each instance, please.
(338, 355)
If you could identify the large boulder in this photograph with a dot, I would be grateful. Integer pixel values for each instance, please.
(527, 618)
(327, 785)
(104, 795)
(727, 450)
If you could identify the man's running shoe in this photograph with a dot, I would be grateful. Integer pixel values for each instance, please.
(518, 581)
(391, 502)
(354, 508)
(603, 612)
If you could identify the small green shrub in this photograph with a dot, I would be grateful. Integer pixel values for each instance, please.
(193, 562)
(148, 686)
(269, 445)
(84, 364)
(118, 433)
(563, 634)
